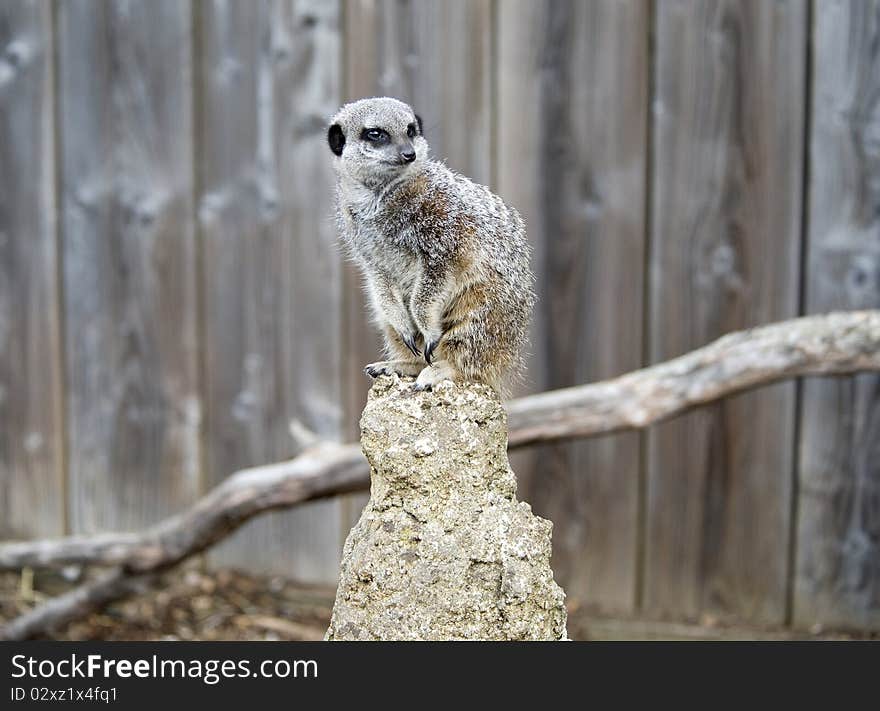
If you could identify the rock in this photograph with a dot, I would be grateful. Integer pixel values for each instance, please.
(443, 550)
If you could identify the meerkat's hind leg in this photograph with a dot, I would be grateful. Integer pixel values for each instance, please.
(434, 374)
(404, 368)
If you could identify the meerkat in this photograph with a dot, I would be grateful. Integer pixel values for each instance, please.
(445, 261)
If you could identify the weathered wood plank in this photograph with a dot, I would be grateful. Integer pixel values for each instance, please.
(269, 77)
(31, 438)
(595, 629)
(129, 260)
(837, 580)
(571, 156)
(437, 57)
(726, 201)
(361, 342)
(515, 169)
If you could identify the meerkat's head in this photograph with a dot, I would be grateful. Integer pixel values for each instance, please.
(377, 140)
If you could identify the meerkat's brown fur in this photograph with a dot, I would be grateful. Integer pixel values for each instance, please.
(446, 262)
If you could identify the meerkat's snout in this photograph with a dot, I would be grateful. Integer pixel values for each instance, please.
(408, 153)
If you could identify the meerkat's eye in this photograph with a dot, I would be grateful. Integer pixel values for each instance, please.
(374, 135)
(411, 130)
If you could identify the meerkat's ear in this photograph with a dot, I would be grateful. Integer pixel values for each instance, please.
(419, 122)
(336, 139)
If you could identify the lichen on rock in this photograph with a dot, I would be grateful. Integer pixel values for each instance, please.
(443, 550)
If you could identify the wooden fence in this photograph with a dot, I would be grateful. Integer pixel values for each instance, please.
(172, 294)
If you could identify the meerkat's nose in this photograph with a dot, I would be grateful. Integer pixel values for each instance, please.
(408, 155)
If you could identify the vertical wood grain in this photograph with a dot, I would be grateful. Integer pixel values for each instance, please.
(129, 266)
(437, 57)
(728, 123)
(571, 156)
(838, 546)
(361, 342)
(268, 82)
(31, 439)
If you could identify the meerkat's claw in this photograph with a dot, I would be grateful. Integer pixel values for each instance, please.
(404, 368)
(422, 387)
(429, 350)
(374, 372)
(410, 342)
(383, 367)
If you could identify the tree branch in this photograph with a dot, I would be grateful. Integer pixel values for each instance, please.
(326, 470)
(835, 344)
(91, 596)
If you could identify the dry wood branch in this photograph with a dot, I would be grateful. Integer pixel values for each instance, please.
(836, 344)
(79, 602)
(326, 470)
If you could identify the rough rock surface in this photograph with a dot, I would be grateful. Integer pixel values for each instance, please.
(443, 550)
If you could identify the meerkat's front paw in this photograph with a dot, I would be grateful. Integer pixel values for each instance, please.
(374, 370)
(434, 374)
(390, 367)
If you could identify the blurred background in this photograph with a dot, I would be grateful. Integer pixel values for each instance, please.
(172, 293)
